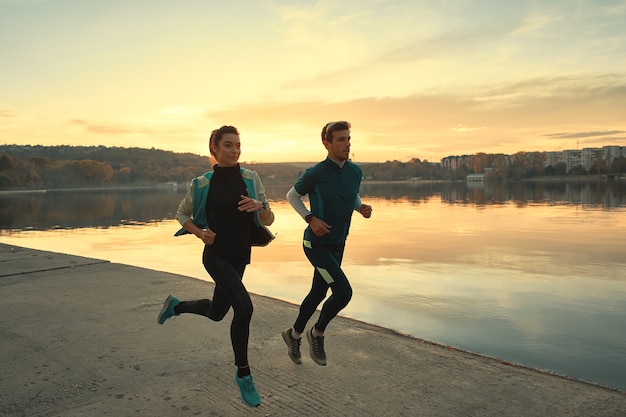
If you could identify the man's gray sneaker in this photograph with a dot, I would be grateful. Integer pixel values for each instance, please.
(316, 347)
(293, 345)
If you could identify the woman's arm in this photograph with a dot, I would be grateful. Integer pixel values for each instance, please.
(266, 214)
(185, 208)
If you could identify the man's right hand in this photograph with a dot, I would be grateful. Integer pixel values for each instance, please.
(319, 227)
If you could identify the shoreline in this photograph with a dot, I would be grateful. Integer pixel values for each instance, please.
(80, 338)
(411, 181)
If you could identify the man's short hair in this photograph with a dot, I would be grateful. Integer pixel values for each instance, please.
(329, 128)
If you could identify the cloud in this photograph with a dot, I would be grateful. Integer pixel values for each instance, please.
(536, 21)
(172, 120)
(584, 134)
(116, 129)
(507, 118)
(527, 115)
(606, 141)
(104, 129)
(183, 111)
(450, 42)
(536, 101)
(618, 9)
(563, 87)
(22, 1)
(7, 114)
(587, 139)
(147, 133)
(461, 129)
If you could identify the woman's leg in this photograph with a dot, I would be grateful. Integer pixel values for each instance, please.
(201, 307)
(230, 291)
(214, 309)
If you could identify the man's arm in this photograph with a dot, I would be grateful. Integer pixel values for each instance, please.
(364, 209)
(295, 199)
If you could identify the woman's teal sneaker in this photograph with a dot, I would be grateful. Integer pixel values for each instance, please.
(168, 309)
(248, 391)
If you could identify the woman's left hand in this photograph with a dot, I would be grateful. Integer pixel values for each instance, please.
(249, 204)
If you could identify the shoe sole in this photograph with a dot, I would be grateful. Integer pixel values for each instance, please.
(320, 362)
(297, 361)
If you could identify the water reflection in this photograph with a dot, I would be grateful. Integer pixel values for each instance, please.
(92, 208)
(105, 208)
(535, 274)
(592, 193)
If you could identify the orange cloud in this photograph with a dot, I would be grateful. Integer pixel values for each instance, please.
(7, 114)
(501, 119)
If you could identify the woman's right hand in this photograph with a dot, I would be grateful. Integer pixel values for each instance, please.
(207, 236)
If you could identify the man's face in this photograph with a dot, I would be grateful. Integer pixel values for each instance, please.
(339, 148)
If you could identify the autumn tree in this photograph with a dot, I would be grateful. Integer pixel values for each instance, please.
(618, 166)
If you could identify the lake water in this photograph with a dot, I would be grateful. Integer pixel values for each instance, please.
(532, 273)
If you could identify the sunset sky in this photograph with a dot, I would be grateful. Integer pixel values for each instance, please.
(416, 78)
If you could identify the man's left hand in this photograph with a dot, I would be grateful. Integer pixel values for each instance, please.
(365, 210)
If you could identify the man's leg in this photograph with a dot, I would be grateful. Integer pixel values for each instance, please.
(327, 263)
(293, 335)
(316, 295)
(328, 273)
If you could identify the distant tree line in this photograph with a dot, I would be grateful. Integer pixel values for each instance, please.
(40, 167)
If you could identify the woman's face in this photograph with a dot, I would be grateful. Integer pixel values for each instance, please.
(227, 151)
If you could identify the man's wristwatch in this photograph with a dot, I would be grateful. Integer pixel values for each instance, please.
(308, 218)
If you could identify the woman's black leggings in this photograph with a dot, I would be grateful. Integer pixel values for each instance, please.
(229, 292)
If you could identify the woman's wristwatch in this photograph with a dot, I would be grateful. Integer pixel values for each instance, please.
(308, 218)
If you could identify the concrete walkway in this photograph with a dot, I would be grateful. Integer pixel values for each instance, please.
(78, 337)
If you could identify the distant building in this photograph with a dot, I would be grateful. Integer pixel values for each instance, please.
(553, 158)
(585, 158)
(610, 153)
(589, 157)
(479, 177)
(454, 162)
(475, 177)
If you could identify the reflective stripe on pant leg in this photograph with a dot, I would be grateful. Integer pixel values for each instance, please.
(327, 262)
(326, 275)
